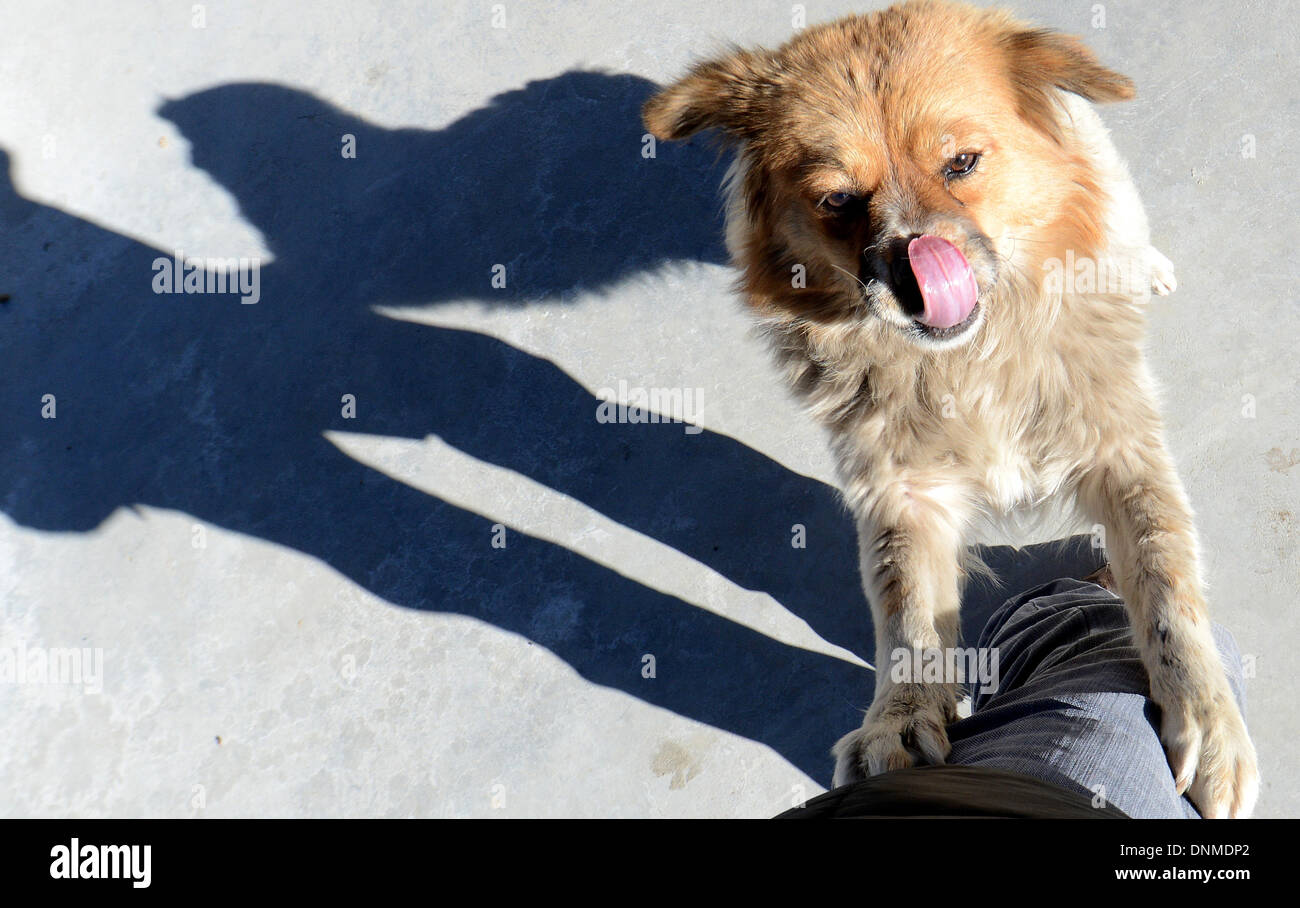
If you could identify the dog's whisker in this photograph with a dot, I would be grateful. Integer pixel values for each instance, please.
(857, 280)
(1025, 239)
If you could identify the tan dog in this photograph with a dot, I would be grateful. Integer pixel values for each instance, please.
(918, 199)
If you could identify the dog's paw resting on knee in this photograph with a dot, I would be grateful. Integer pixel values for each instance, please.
(905, 726)
(1210, 753)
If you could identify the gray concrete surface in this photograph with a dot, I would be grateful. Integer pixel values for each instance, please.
(301, 613)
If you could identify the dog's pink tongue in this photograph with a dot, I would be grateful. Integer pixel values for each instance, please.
(946, 280)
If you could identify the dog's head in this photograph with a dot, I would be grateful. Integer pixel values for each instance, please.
(909, 161)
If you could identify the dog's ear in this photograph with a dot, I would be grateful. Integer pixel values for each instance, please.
(1040, 57)
(727, 93)
(1041, 60)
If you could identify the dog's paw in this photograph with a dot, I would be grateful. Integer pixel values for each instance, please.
(905, 726)
(1163, 281)
(1211, 755)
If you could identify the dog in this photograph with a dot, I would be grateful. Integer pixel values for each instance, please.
(913, 195)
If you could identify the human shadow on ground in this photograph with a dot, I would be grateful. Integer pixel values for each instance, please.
(197, 403)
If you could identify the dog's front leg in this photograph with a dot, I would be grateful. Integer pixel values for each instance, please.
(1151, 541)
(910, 544)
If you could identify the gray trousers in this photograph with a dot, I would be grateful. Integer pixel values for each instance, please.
(1071, 705)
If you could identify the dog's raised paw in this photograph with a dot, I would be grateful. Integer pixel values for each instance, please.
(904, 727)
(1163, 281)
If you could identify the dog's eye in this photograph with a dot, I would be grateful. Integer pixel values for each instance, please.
(961, 165)
(838, 201)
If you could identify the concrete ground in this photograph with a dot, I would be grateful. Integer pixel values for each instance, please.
(363, 548)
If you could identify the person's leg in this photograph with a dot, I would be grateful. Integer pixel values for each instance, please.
(1070, 704)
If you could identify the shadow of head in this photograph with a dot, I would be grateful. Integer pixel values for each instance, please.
(554, 182)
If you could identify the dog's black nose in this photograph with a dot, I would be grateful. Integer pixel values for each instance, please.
(901, 279)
